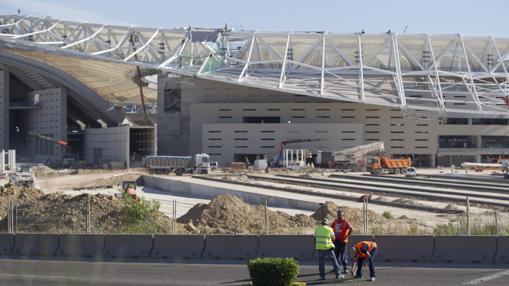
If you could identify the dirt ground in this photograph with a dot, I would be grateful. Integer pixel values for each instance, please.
(228, 214)
(60, 213)
(225, 214)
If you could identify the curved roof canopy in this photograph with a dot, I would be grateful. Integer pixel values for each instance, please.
(450, 74)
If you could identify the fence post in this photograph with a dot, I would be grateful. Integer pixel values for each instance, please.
(468, 215)
(365, 213)
(174, 218)
(89, 226)
(9, 215)
(266, 219)
(497, 229)
(15, 211)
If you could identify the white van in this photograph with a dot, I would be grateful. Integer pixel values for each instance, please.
(411, 172)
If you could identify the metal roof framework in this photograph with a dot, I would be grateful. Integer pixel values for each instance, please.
(448, 74)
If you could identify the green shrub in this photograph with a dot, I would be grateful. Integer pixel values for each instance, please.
(138, 216)
(387, 215)
(273, 271)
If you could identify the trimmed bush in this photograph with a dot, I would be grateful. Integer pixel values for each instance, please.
(273, 271)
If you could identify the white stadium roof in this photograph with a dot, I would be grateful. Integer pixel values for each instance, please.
(449, 74)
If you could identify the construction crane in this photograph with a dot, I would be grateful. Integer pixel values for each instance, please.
(358, 151)
(139, 80)
(69, 158)
(348, 157)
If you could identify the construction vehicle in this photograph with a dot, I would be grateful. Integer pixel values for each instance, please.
(348, 158)
(23, 177)
(382, 164)
(129, 189)
(198, 164)
(62, 143)
(479, 167)
(279, 160)
(69, 159)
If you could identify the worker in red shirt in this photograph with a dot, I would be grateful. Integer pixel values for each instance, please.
(365, 250)
(342, 229)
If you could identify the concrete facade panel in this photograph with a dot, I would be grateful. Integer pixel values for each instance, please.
(48, 119)
(107, 144)
(4, 110)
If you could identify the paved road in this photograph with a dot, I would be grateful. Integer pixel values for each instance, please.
(40, 272)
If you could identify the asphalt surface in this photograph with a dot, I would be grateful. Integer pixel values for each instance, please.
(42, 272)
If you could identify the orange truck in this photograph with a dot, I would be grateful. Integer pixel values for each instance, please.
(382, 164)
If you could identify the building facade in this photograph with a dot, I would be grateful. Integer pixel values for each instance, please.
(231, 122)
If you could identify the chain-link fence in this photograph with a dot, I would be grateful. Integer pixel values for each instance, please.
(106, 214)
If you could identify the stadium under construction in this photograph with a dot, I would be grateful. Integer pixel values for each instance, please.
(441, 99)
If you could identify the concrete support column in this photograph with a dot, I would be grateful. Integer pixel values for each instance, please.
(4, 109)
(2, 161)
(12, 160)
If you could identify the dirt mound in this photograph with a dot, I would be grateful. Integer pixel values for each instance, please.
(354, 215)
(228, 214)
(241, 178)
(407, 202)
(60, 213)
(451, 207)
(313, 175)
(16, 194)
(112, 180)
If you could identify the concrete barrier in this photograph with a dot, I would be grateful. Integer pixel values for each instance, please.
(231, 247)
(127, 246)
(81, 245)
(465, 249)
(300, 247)
(351, 242)
(178, 246)
(35, 245)
(6, 243)
(502, 250)
(397, 248)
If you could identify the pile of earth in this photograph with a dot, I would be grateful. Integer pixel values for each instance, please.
(60, 213)
(377, 224)
(227, 214)
(240, 178)
(15, 194)
(354, 215)
(115, 179)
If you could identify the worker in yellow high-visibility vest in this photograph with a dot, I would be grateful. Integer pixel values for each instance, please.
(324, 237)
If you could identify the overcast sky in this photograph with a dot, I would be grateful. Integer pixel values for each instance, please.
(469, 17)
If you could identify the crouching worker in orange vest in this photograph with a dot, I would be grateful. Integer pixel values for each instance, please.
(365, 250)
(324, 237)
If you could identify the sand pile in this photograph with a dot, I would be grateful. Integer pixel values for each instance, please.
(354, 215)
(228, 214)
(60, 213)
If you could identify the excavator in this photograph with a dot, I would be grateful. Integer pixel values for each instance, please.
(69, 159)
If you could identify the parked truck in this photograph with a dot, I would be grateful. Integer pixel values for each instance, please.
(23, 177)
(198, 164)
(382, 164)
(349, 158)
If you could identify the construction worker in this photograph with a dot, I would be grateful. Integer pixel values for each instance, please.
(324, 237)
(364, 250)
(342, 229)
